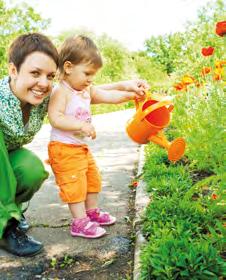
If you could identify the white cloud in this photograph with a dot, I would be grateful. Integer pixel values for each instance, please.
(129, 21)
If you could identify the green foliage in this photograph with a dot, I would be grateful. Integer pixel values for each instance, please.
(150, 70)
(62, 263)
(200, 118)
(13, 22)
(201, 34)
(181, 51)
(174, 211)
(118, 64)
(184, 235)
(167, 258)
(165, 50)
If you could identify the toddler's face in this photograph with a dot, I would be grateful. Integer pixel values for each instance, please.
(81, 75)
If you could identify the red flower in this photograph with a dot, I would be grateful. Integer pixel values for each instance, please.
(205, 70)
(221, 28)
(214, 196)
(179, 86)
(207, 51)
(135, 184)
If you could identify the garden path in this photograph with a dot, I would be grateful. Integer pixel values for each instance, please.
(117, 157)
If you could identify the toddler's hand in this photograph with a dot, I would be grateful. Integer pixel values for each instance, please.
(140, 87)
(89, 130)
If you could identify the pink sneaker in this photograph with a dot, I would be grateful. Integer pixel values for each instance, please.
(102, 218)
(85, 228)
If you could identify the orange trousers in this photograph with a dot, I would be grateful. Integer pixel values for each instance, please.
(75, 170)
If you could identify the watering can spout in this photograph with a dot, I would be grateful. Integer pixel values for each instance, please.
(175, 148)
(152, 116)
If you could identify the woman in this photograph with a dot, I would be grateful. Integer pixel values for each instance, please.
(24, 96)
(33, 62)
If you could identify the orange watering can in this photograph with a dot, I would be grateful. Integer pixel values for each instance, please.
(152, 116)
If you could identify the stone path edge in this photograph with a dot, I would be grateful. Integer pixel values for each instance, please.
(141, 201)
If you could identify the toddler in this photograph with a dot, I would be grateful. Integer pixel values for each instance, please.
(69, 112)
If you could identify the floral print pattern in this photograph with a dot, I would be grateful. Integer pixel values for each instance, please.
(16, 134)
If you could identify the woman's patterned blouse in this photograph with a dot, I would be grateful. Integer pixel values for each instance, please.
(16, 134)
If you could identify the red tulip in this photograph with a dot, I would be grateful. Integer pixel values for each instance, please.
(207, 51)
(221, 28)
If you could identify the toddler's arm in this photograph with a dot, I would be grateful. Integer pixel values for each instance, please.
(58, 119)
(131, 85)
(119, 92)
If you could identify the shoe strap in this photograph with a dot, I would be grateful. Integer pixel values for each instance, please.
(91, 228)
(84, 225)
(99, 215)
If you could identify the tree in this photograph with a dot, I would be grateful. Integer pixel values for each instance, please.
(13, 22)
(165, 49)
(118, 64)
(150, 70)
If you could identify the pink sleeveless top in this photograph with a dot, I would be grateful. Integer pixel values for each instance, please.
(79, 108)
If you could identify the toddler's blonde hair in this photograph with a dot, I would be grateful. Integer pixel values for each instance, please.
(79, 49)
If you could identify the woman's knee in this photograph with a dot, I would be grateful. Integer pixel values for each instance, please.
(28, 169)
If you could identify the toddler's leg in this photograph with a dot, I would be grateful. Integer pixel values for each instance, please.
(94, 213)
(78, 210)
(91, 201)
(93, 189)
(69, 164)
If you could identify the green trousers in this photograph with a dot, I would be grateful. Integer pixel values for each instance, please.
(21, 175)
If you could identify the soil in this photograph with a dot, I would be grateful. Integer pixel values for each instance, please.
(119, 267)
(116, 267)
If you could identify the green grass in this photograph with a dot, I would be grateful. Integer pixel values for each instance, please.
(184, 233)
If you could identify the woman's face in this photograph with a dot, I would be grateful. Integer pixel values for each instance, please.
(34, 81)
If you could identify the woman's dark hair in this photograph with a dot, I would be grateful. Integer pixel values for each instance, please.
(26, 44)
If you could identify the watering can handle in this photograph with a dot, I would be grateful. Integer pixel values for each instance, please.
(154, 107)
(139, 102)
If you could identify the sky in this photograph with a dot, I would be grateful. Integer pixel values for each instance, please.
(128, 21)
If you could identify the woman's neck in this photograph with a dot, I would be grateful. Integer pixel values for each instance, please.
(26, 109)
